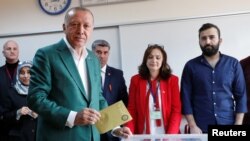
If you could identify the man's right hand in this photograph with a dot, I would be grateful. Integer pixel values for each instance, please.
(195, 130)
(87, 116)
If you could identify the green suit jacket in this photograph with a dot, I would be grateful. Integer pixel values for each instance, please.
(56, 89)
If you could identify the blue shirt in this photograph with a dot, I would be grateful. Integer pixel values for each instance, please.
(213, 95)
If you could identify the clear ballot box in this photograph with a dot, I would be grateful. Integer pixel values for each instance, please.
(168, 137)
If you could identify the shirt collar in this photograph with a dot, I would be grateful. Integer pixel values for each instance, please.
(104, 69)
(72, 50)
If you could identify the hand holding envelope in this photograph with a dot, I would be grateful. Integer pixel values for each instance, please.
(123, 132)
(87, 116)
(113, 116)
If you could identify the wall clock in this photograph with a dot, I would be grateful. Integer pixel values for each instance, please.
(54, 7)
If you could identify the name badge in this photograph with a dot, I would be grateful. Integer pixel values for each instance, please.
(155, 115)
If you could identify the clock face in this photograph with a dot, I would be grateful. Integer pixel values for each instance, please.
(54, 7)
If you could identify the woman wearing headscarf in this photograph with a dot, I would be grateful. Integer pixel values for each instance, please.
(21, 120)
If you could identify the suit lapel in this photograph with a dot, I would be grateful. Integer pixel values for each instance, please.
(68, 61)
(92, 74)
(143, 95)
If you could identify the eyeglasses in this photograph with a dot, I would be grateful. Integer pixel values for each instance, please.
(156, 45)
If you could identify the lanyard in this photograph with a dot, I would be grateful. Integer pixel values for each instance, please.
(9, 75)
(11, 78)
(156, 104)
(154, 94)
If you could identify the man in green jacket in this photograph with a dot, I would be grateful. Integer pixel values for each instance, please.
(65, 88)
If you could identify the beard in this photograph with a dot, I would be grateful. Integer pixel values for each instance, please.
(210, 50)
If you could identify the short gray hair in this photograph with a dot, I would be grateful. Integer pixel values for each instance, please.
(73, 10)
(101, 43)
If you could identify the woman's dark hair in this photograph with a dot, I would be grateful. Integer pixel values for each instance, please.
(165, 70)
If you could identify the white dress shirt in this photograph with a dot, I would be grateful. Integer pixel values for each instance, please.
(103, 72)
(82, 70)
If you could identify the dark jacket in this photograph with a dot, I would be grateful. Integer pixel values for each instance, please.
(245, 63)
(5, 83)
(23, 129)
(114, 90)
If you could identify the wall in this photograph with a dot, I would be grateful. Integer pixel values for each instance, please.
(18, 16)
(180, 40)
(131, 26)
(25, 22)
(30, 43)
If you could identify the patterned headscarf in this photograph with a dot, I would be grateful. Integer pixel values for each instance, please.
(22, 89)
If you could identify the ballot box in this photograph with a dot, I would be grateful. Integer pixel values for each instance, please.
(168, 137)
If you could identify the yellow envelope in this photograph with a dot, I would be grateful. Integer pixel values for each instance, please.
(113, 116)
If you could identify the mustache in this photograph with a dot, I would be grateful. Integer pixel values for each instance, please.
(206, 46)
